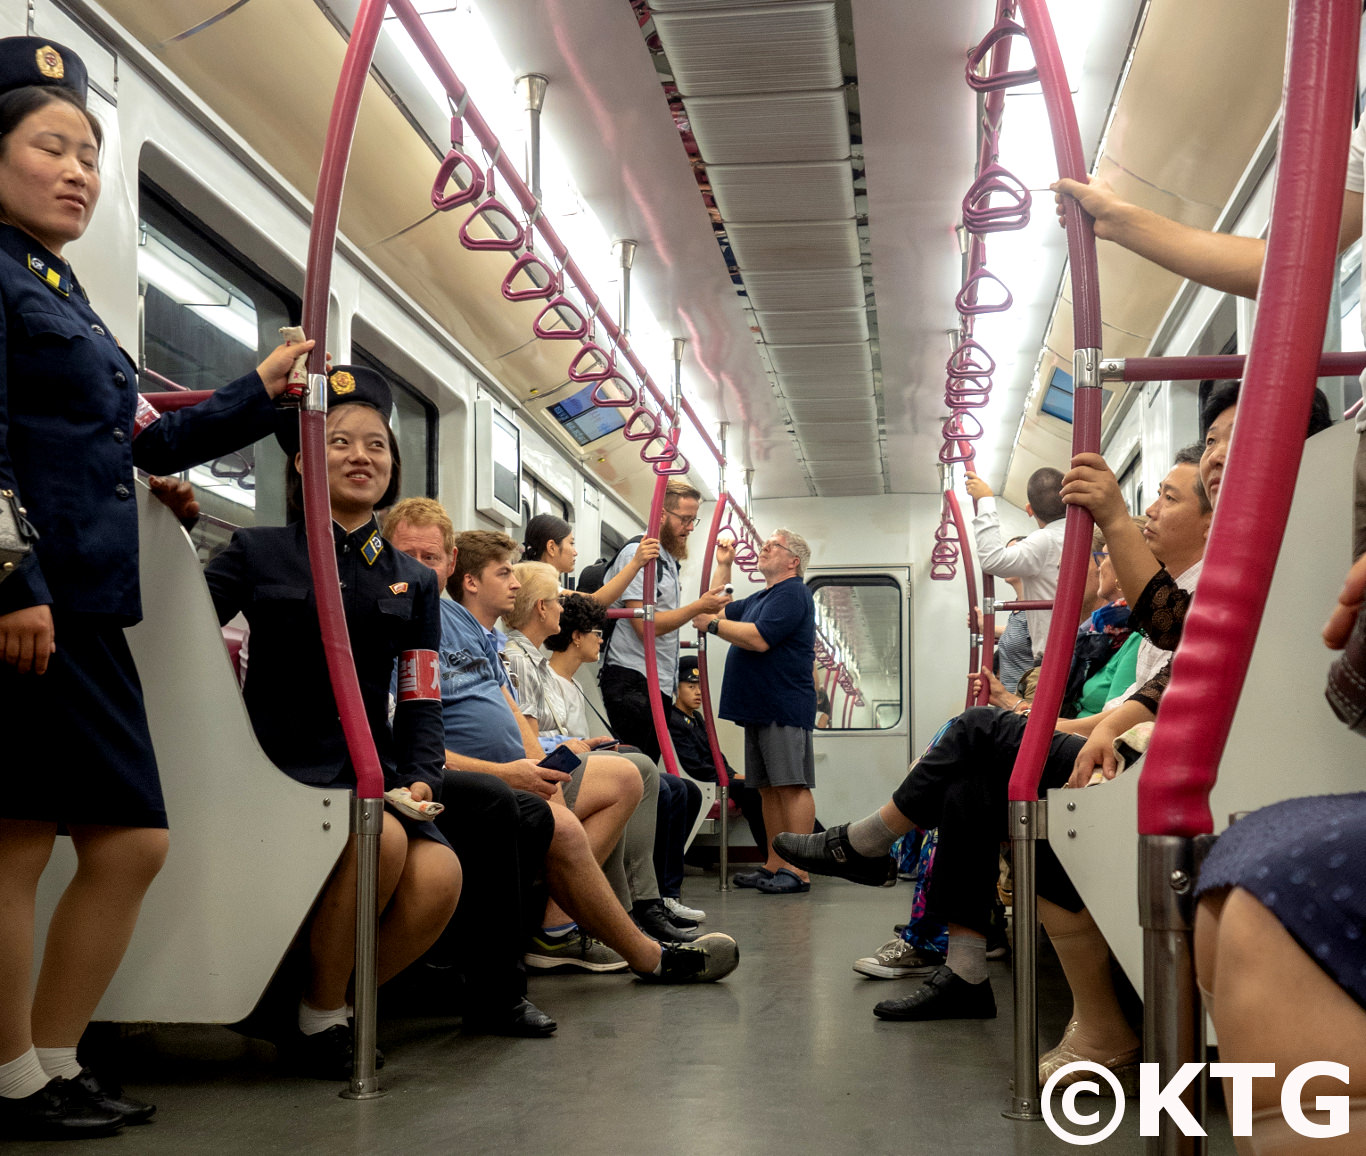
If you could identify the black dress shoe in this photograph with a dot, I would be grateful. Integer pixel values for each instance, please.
(60, 1110)
(110, 1098)
(944, 996)
(829, 853)
(326, 1055)
(524, 1020)
(652, 917)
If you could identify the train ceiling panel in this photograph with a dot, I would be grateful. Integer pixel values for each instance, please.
(801, 360)
(809, 245)
(805, 289)
(856, 388)
(800, 126)
(853, 410)
(835, 325)
(847, 487)
(771, 48)
(799, 191)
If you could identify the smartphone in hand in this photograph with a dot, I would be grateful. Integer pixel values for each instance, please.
(561, 759)
(606, 745)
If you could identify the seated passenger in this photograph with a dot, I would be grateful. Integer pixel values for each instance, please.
(1036, 557)
(630, 867)
(391, 616)
(551, 540)
(482, 721)
(960, 787)
(694, 751)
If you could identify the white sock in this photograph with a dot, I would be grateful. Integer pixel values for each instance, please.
(23, 1076)
(871, 837)
(967, 957)
(312, 1021)
(59, 1062)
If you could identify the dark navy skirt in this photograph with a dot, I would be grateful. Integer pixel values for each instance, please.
(1305, 861)
(77, 747)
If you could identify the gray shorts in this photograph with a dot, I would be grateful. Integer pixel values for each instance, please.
(778, 756)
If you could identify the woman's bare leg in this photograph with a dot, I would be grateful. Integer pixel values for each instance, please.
(25, 847)
(422, 905)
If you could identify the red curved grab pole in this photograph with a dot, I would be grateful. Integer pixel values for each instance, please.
(1230, 365)
(1268, 439)
(666, 744)
(322, 557)
(970, 575)
(176, 397)
(1076, 549)
(708, 718)
(412, 21)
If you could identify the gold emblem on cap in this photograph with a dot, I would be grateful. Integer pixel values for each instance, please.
(343, 382)
(49, 62)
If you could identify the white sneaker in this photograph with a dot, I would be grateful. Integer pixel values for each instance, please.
(674, 907)
(897, 959)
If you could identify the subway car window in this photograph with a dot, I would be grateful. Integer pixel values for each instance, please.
(206, 315)
(415, 425)
(859, 681)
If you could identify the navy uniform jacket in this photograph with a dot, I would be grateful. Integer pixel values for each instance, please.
(391, 607)
(68, 442)
(691, 746)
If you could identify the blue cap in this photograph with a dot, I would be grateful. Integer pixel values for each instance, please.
(31, 60)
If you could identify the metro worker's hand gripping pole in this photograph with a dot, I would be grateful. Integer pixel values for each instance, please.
(367, 810)
(1027, 813)
(1254, 504)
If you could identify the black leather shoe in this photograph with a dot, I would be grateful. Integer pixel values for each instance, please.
(944, 996)
(652, 917)
(524, 1019)
(829, 853)
(326, 1055)
(60, 1110)
(110, 1098)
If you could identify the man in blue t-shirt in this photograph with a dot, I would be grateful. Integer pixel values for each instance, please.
(768, 691)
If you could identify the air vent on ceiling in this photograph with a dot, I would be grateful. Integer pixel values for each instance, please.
(809, 245)
(823, 359)
(816, 325)
(803, 191)
(789, 126)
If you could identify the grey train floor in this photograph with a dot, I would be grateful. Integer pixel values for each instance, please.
(782, 1058)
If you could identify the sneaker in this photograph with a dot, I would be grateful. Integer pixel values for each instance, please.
(574, 950)
(678, 911)
(705, 960)
(944, 996)
(829, 853)
(652, 917)
(897, 959)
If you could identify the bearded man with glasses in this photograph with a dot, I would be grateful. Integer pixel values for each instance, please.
(625, 690)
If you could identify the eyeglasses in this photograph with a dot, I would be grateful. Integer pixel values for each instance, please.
(774, 544)
(597, 633)
(1099, 556)
(681, 519)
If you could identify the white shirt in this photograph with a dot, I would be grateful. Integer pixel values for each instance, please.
(1152, 659)
(1034, 561)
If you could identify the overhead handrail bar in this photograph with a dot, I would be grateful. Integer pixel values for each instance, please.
(1230, 366)
(412, 22)
(1027, 604)
(1026, 811)
(367, 813)
(1254, 504)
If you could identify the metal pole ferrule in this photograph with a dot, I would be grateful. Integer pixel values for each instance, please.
(724, 796)
(315, 396)
(1028, 823)
(1112, 369)
(367, 821)
(1086, 369)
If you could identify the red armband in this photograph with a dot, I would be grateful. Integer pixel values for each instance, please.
(418, 676)
(144, 414)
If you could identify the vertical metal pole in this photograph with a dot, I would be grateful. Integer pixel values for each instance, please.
(367, 821)
(532, 86)
(1028, 822)
(626, 254)
(1173, 1019)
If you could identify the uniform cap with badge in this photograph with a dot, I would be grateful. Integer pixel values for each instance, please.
(687, 669)
(27, 61)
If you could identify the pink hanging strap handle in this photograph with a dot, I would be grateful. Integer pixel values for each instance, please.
(641, 426)
(525, 263)
(963, 361)
(995, 82)
(981, 216)
(443, 201)
(630, 398)
(576, 330)
(1273, 410)
(492, 207)
(590, 349)
(967, 301)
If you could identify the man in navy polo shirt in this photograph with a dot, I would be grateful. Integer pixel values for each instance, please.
(768, 691)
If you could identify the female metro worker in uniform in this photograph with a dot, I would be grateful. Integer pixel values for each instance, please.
(392, 617)
(77, 750)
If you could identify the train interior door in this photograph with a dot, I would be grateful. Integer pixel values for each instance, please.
(864, 670)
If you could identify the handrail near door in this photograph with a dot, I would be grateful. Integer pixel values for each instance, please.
(970, 575)
(1026, 811)
(1254, 504)
(651, 572)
